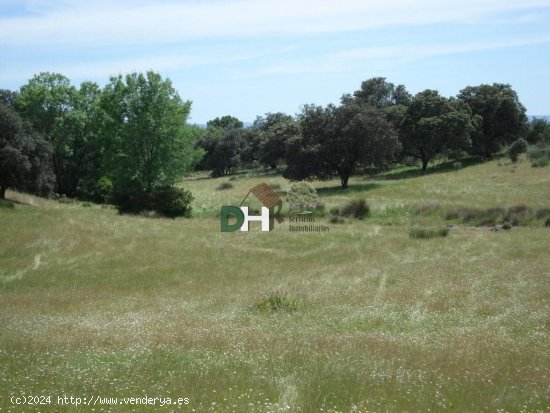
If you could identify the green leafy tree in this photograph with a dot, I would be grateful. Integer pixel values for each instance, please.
(341, 141)
(225, 122)
(223, 144)
(502, 116)
(149, 144)
(25, 157)
(434, 126)
(275, 129)
(45, 101)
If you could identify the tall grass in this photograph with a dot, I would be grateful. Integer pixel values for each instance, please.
(95, 303)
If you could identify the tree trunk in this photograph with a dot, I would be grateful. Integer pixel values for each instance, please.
(344, 181)
(3, 192)
(424, 164)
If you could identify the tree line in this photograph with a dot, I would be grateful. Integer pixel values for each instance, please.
(129, 143)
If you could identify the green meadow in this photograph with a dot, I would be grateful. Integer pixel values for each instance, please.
(363, 318)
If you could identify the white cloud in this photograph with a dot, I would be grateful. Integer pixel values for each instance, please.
(138, 22)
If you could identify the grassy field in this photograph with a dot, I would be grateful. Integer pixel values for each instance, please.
(97, 304)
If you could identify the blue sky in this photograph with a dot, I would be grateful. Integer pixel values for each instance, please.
(249, 57)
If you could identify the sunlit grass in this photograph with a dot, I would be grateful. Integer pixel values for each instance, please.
(94, 303)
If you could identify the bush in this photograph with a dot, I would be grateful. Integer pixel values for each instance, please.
(336, 219)
(539, 155)
(519, 146)
(276, 302)
(168, 201)
(335, 211)
(358, 208)
(517, 215)
(171, 201)
(224, 185)
(423, 233)
(105, 189)
(275, 187)
(302, 197)
(542, 213)
(547, 222)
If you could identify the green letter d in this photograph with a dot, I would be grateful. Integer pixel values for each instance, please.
(224, 217)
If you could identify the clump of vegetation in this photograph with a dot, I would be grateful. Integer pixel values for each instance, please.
(276, 301)
(302, 197)
(457, 165)
(547, 222)
(427, 209)
(357, 208)
(168, 201)
(336, 219)
(224, 185)
(516, 148)
(424, 233)
(63, 199)
(539, 155)
(518, 215)
(275, 187)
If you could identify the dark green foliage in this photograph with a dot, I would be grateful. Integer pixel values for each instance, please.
(517, 147)
(500, 116)
(171, 201)
(224, 185)
(542, 213)
(340, 141)
(168, 201)
(423, 233)
(24, 156)
(538, 132)
(225, 122)
(547, 222)
(70, 119)
(276, 301)
(434, 126)
(222, 150)
(357, 208)
(274, 131)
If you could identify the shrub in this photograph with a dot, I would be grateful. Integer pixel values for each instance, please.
(276, 301)
(423, 233)
(275, 187)
(517, 215)
(457, 165)
(224, 185)
(335, 211)
(302, 197)
(539, 155)
(336, 219)
(517, 147)
(168, 201)
(105, 189)
(547, 222)
(86, 205)
(171, 201)
(358, 208)
(542, 213)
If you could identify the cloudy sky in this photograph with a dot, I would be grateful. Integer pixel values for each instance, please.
(249, 57)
